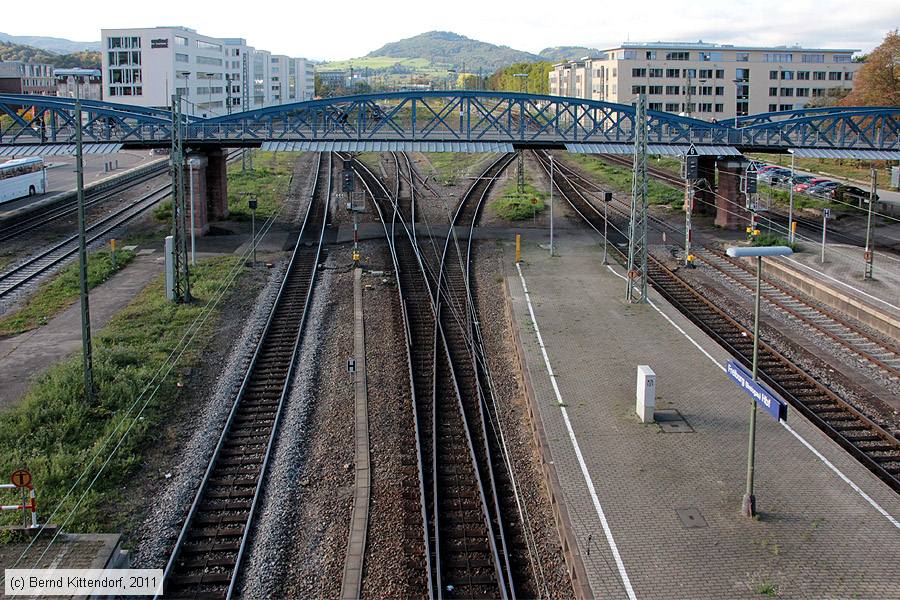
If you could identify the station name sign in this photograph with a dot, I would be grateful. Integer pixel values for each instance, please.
(763, 396)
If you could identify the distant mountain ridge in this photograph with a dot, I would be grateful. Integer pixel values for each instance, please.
(447, 48)
(50, 44)
(29, 54)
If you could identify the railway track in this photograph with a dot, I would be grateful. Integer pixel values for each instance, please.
(881, 356)
(465, 494)
(206, 559)
(50, 258)
(49, 214)
(868, 442)
(53, 256)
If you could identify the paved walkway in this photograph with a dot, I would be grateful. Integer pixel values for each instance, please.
(26, 355)
(656, 513)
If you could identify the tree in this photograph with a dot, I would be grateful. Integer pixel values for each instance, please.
(833, 97)
(878, 81)
(536, 81)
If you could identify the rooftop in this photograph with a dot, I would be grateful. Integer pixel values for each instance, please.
(701, 45)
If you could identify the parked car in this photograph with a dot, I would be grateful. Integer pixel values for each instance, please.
(850, 193)
(776, 175)
(804, 186)
(823, 190)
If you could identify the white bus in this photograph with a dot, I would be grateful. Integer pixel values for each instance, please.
(22, 177)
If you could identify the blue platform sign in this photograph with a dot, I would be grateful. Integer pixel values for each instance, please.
(760, 392)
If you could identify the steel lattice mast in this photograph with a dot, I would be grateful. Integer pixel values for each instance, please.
(182, 285)
(637, 229)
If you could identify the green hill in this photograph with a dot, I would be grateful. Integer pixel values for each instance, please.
(50, 44)
(85, 59)
(446, 49)
(561, 53)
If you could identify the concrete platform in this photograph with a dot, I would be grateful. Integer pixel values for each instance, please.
(656, 514)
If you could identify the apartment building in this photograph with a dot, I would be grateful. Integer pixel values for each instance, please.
(79, 83)
(18, 77)
(215, 76)
(291, 79)
(707, 81)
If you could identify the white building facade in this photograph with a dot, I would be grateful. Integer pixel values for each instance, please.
(708, 81)
(215, 76)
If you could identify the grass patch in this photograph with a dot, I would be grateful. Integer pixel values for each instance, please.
(767, 588)
(619, 178)
(514, 206)
(771, 239)
(62, 291)
(268, 181)
(55, 433)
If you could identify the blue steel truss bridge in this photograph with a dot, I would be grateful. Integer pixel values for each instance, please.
(446, 121)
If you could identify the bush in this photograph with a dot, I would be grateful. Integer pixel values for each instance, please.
(514, 206)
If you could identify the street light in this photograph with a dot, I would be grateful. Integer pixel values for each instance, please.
(748, 504)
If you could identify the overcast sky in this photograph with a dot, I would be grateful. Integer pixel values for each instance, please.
(349, 28)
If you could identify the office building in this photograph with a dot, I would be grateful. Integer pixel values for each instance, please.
(708, 81)
(215, 76)
(18, 77)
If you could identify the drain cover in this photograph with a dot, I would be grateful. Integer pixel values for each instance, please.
(671, 421)
(690, 518)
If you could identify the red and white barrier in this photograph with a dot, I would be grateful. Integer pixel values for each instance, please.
(30, 505)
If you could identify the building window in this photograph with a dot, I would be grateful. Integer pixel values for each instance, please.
(742, 74)
(651, 54)
(834, 76)
(842, 58)
(615, 70)
(690, 90)
(742, 108)
(182, 58)
(787, 91)
(710, 56)
(773, 74)
(778, 57)
(671, 107)
(629, 55)
(720, 108)
(803, 75)
(720, 90)
(720, 73)
(639, 72)
(655, 89)
(802, 92)
(678, 56)
(689, 108)
(690, 73)
(848, 76)
(773, 91)
(114, 42)
(204, 45)
(773, 107)
(673, 90)
(813, 58)
(655, 106)
(656, 72)
(785, 107)
(818, 93)
(205, 60)
(676, 73)
(639, 89)
(787, 75)
(742, 57)
(706, 90)
(705, 73)
(181, 41)
(705, 107)
(819, 76)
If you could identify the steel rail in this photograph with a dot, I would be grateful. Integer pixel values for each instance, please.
(300, 260)
(865, 440)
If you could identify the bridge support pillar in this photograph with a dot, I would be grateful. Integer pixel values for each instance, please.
(195, 192)
(217, 183)
(730, 201)
(704, 196)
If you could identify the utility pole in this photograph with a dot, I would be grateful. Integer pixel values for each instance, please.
(826, 212)
(870, 244)
(607, 198)
(791, 202)
(520, 173)
(86, 346)
(182, 284)
(637, 228)
(691, 174)
(551, 205)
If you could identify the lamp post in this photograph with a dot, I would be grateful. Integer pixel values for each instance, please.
(607, 198)
(748, 503)
(868, 256)
(86, 346)
(551, 205)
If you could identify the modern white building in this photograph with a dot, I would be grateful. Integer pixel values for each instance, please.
(708, 81)
(215, 76)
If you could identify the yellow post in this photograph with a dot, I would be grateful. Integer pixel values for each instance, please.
(112, 255)
(518, 247)
(793, 230)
